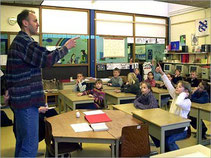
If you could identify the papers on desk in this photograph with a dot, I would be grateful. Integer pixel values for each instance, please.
(99, 127)
(93, 112)
(81, 127)
(84, 127)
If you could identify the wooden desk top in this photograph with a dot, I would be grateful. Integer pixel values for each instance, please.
(159, 90)
(66, 91)
(120, 95)
(106, 87)
(128, 108)
(74, 97)
(160, 117)
(185, 152)
(61, 125)
(205, 107)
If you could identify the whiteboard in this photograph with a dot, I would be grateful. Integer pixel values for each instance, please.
(113, 48)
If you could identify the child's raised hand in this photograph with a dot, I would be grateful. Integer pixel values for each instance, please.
(160, 69)
(109, 84)
(79, 94)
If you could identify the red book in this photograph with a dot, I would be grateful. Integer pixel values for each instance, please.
(97, 118)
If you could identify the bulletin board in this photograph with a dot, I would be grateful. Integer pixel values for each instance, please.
(100, 57)
(76, 55)
(113, 47)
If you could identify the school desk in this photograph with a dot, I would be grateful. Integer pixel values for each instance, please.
(113, 97)
(192, 151)
(70, 99)
(128, 108)
(200, 112)
(160, 121)
(158, 93)
(48, 94)
(109, 88)
(63, 132)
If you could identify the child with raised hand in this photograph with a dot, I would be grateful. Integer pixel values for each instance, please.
(136, 71)
(150, 79)
(132, 86)
(155, 70)
(80, 85)
(116, 80)
(201, 96)
(180, 106)
(146, 100)
(97, 94)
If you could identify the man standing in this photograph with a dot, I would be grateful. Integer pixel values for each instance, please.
(24, 81)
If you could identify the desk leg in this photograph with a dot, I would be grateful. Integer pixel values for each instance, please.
(56, 149)
(118, 101)
(162, 141)
(59, 104)
(112, 150)
(199, 130)
(159, 101)
(117, 148)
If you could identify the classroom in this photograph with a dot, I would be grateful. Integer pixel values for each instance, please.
(101, 78)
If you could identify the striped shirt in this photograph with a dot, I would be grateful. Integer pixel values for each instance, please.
(23, 72)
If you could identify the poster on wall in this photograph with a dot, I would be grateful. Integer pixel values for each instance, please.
(183, 40)
(203, 27)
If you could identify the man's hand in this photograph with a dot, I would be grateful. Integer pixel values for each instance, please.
(71, 43)
(43, 109)
(6, 97)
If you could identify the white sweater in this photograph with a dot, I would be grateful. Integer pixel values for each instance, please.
(180, 104)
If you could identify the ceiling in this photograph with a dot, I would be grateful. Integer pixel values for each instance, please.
(195, 3)
(29, 2)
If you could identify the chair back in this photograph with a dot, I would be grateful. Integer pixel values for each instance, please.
(135, 141)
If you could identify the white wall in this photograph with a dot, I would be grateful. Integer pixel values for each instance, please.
(139, 7)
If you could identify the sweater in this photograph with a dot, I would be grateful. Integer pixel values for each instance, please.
(157, 75)
(99, 96)
(133, 88)
(116, 81)
(193, 82)
(176, 79)
(138, 75)
(23, 71)
(200, 97)
(80, 87)
(181, 104)
(151, 82)
(147, 101)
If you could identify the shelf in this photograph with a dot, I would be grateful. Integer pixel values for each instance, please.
(201, 53)
(187, 63)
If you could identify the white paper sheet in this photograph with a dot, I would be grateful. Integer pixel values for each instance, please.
(99, 127)
(94, 112)
(81, 127)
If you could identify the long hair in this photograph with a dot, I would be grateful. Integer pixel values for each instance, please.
(186, 86)
(132, 78)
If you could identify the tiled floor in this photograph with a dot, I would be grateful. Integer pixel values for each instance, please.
(89, 150)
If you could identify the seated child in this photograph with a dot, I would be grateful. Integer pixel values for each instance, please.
(97, 94)
(155, 71)
(177, 77)
(180, 106)
(194, 82)
(136, 71)
(116, 81)
(132, 86)
(201, 96)
(150, 79)
(146, 100)
(80, 85)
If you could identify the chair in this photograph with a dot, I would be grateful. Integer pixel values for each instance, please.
(134, 141)
(63, 148)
